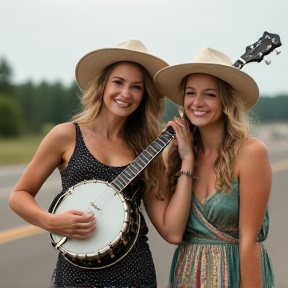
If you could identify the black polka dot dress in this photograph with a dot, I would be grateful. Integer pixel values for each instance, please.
(136, 269)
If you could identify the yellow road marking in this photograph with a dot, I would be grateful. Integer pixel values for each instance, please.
(20, 232)
(30, 230)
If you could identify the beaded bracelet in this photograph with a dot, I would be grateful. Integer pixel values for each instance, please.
(187, 173)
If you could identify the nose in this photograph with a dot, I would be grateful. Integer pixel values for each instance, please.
(197, 101)
(125, 91)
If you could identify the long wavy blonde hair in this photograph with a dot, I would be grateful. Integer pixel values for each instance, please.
(142, 126)
(237, 130)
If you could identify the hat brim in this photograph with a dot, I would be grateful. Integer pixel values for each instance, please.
(93, 63)
(168, 80)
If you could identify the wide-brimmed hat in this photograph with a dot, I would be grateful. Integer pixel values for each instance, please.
(208, 61)
(93, 63)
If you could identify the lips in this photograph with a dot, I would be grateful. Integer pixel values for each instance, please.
(122, 103)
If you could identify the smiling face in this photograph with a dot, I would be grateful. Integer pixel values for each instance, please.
(202, 102)
(124, 90)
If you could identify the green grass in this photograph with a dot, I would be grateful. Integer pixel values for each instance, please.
(18, 150)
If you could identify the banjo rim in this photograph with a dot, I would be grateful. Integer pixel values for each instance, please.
(74, 258)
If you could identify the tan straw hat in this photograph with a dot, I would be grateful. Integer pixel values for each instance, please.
(94, 62)
(213, 62)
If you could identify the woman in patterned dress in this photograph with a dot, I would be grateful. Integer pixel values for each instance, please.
(222, 243)
(120, 118)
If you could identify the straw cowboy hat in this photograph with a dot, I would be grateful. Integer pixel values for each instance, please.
(208, 61)
(94, 62)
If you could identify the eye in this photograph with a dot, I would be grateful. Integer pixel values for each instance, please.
(209, 94)
(189, 93)
(117, 82)
(137, 87)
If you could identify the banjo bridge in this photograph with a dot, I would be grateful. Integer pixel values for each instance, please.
(95, 206)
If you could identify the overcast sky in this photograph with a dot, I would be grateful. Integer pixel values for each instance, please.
(44, 39)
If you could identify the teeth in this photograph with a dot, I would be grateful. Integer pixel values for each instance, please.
(122, 103)
(199, 113)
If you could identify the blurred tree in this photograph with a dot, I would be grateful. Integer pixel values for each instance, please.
(272, 108)
(6, 86)
(25, 94)
(46, 104)
(72, 101)
(10, 118)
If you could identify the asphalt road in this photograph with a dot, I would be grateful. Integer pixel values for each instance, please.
(27, 258)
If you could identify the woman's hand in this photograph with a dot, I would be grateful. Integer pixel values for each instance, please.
(73, 224)
(183, 137)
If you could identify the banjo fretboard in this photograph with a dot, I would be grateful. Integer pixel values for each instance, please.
(135, 167)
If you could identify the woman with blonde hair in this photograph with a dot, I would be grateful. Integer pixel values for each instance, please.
(121, 113)
(228, 221)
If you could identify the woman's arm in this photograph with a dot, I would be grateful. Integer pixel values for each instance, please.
(170, 216)
(255, 178)
(54, 151)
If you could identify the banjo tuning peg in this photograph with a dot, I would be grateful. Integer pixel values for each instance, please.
(267, 60)
(278, 51)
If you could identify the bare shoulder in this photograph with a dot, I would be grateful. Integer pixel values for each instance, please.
(63, 130)
(57, 146)
(253, 158)
(253, 147)
(60, 138)
(63, 133)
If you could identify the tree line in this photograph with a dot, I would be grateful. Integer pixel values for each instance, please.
(30, 108)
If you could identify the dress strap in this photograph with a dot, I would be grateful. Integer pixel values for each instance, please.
(79, 138)
(78, 131)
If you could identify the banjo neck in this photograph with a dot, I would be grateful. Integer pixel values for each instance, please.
(143, 159)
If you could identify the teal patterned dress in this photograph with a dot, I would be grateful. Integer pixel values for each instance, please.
(208, 256)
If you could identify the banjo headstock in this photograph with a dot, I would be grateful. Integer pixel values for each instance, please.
(257, 51)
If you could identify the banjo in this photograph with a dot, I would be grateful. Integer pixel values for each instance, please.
(118, 217)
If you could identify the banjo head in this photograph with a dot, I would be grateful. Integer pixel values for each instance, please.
(117, 224)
